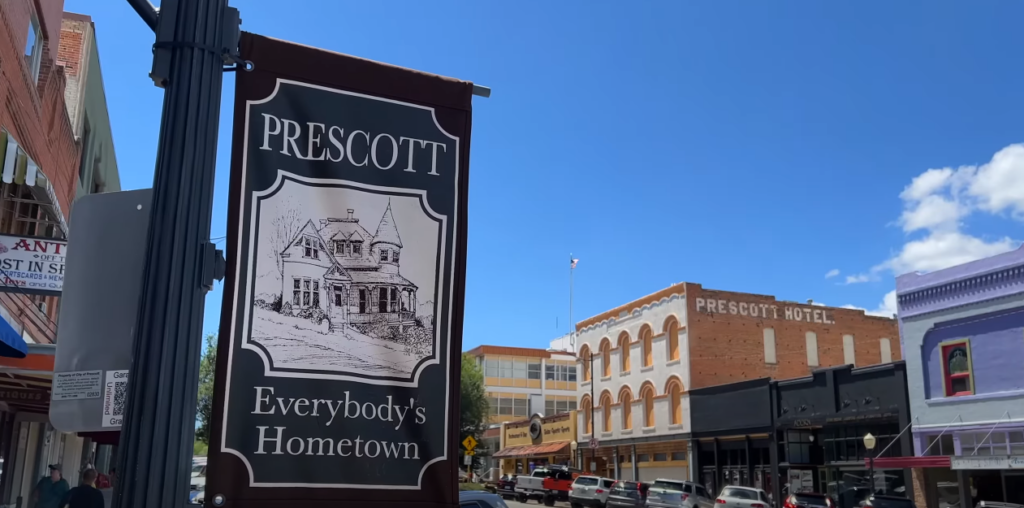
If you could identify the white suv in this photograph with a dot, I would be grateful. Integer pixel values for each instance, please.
(590, 492)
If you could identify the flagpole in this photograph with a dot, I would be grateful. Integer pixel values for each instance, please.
(572, 338)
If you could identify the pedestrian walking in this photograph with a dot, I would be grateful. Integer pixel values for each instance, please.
(85, 495)
(50, 489)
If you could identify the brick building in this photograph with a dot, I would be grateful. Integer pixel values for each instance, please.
(41, 157)
(648, 353)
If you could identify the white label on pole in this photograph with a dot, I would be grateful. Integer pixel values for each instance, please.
(83, 384)
(468, 461)
(115, 390)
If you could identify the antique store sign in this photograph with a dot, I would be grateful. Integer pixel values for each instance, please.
(340, 348)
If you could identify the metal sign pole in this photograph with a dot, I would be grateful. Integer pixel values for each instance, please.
(193, 38)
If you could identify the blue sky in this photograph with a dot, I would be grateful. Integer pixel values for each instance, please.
(746, 146)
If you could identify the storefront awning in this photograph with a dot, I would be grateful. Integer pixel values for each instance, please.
(902, 462)
(11, 343)
(540, 450)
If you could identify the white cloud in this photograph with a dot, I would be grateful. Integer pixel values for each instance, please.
(857, 279)
(832, 273)
(926, 184)
(999, 185)
(933, 213)
(886, 308)
(941, 250)
(937, 201)
(935, 204)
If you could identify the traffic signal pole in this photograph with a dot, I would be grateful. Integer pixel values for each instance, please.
(194, 39)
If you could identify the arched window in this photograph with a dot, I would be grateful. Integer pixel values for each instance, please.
(672, 330)
(606, 411)
(646, 342)
(606, 357)
(647, 396)
(585, 360)
(674, 390)
(626, 401)
(624, 350)
(585, 408)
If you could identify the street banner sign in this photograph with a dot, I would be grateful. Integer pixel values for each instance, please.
(339, 355)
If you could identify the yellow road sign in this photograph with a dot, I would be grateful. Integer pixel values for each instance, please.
(469, 442)
(470, 452)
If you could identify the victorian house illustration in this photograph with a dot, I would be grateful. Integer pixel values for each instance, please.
(350, 274)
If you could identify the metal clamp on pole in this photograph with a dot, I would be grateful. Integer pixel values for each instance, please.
(214, 265)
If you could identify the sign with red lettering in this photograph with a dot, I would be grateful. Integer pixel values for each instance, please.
(31, 264)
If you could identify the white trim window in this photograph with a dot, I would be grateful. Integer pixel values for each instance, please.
(305, 292)
(310, 247)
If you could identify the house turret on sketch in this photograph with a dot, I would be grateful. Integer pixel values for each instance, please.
(349, 275)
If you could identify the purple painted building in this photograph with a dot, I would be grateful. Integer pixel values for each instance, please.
(962, 334)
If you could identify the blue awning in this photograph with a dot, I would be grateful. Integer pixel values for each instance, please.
(11, 343)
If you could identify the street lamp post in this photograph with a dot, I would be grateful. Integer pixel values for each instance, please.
(869, 443)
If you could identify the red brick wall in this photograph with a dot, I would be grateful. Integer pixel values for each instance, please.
(726, 347)
(35, 114)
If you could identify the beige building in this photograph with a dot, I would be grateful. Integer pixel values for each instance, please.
(522, 382)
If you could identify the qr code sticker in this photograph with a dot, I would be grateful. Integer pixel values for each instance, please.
(115, 394)
(120, 389)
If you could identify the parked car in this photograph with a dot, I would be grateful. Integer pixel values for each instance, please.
(628, 495)
(666, 493)
(808, 500)
(590, 491)
(198, 481)
(880, 501)
(506, 486)
(558, 484)
(480, 499)
(743, 497)
(531, 487)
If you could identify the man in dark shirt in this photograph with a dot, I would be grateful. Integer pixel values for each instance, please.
(85, 495)
(50, 489)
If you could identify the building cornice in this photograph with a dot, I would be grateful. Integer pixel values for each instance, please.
(971, 283)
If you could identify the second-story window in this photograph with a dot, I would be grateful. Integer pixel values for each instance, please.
(34, 48)
(383, 254)
(956, 368)
(311, 248)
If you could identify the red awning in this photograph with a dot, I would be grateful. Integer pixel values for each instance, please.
(540, 450)
(901, 462)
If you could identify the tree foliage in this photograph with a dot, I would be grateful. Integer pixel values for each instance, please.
(473, 405)
(204, 409)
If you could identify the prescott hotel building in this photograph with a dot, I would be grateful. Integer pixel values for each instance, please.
(639, 360)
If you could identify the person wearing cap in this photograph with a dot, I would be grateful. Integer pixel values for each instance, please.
(50, 490)
(85, 495)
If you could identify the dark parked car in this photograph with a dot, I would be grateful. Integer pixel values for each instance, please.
(506, 486)
(628, 495)
(808, 500)
(880, 501)
(480, 499)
